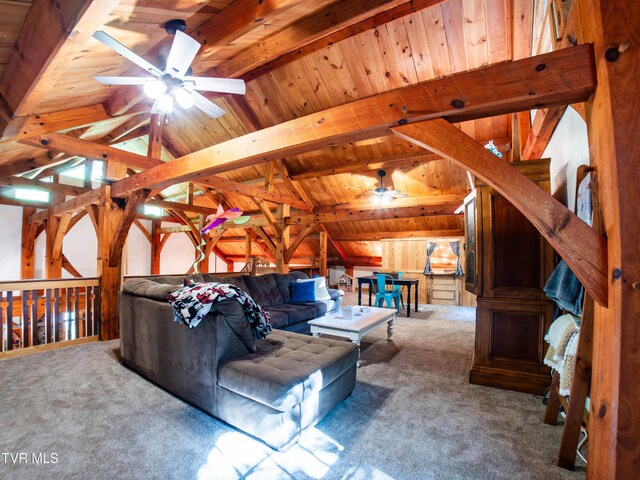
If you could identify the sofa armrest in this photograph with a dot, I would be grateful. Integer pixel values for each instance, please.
(335, 294)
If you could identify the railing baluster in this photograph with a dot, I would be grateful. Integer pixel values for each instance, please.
(1, 323)
(35, 340)
(76, 293)
(56, 314)
(89, 310)
(96, 309)
(25, 318)
(9, 320)
(47, 316)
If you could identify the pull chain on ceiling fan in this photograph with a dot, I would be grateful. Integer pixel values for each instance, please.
(173, 84)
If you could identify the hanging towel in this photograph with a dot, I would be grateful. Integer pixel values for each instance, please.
(564, 288)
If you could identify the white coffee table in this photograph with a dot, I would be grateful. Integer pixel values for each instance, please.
(357, 327)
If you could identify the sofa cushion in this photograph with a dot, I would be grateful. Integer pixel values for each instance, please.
(282, 282)
(319, 287)
(321, 307)
(209, 278)
(278, 319)
(302, 292)
(287, 368)
(296, 313)
(263, 290)
(238, 282)
(142, 287)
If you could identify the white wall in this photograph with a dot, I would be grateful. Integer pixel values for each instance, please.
(10, 242)
(80, 246)
(568, 149)
(138, 251)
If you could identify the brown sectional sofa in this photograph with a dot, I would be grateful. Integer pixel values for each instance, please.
(272, 389)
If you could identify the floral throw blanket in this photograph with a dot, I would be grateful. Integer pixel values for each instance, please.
(192, 302)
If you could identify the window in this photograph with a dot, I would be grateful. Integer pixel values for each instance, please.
(78, 172)
(29, 194)
(153, 211)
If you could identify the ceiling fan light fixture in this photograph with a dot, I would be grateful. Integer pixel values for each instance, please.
(165, 103)
(183, 98)
(154, 88)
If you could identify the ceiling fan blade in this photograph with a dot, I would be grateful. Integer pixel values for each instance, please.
(183, 50)
(396, 193)
(116, 46)
(225, 85)
(206, 105)
(122, 80)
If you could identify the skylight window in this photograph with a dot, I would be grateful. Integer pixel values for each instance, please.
(153, 211)
(78, 172)
(29, 194)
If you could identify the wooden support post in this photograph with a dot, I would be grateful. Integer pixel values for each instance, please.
(110, 276)
(154, 149)
(613, 124)
(156, 247)
(283, 241)
(28, 244)
(323, 254)
(247, 248)
(53, 245)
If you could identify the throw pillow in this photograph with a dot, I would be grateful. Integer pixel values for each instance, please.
(302, 292)
(320, 288)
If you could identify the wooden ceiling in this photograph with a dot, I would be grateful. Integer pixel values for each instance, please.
(297, 57)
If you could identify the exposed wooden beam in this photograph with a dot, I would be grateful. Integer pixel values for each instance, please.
(182, 207)
(271, 218)
(366, 165)
(14, 202)
(66, 264)
(81, 201)
(393, 203)
(376, 236)
(264, 249)
(62, 120)
(311, 28)
(29, 234)
(292, 185)
(268, 241)
(132, 135)
(230, 186)
(19, 182)
(377, 213)
(38, 60)
(578, 244)
(120, 236)
(154, 146)
(74, 220)
(304, 233)
(322, 253)
(97, 151)
(567, 77)
(544, 124)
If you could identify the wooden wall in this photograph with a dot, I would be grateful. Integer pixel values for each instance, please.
(409, 255)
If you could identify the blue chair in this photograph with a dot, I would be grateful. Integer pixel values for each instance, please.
(399, 289)
(382, 294)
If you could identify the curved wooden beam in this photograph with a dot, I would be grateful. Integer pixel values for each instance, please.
(584, 249)
(131, 210)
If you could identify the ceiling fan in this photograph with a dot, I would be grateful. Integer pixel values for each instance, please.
(173, 82)
(382, 195)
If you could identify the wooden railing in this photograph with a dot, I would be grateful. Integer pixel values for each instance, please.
(40, 313)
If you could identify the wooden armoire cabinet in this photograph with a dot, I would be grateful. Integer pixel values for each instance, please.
(512, 263)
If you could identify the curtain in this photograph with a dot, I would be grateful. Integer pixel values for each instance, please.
(455, 248)
(431, 246)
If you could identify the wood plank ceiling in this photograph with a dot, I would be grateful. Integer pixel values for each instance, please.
(303, 57)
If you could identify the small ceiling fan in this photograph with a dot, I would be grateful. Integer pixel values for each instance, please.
(173, 82)
(382, 195)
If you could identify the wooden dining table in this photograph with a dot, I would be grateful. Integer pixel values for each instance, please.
(405, 282)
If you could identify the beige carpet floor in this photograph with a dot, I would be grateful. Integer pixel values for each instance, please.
(412, 415)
